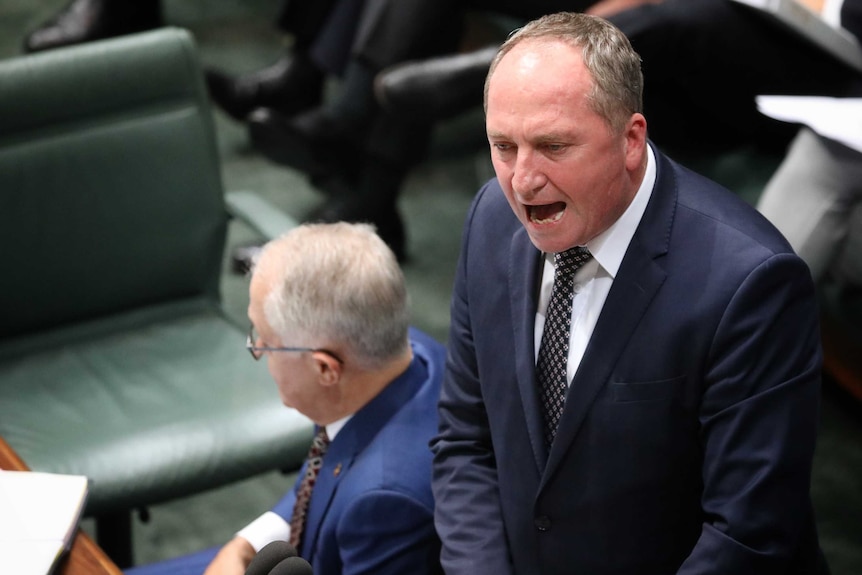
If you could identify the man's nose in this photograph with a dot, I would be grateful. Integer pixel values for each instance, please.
(528, 179)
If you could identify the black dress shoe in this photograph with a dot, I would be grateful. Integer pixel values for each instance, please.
(312, 142)
(291, 85)
(86, 20)
(386, 219)
(434, 89)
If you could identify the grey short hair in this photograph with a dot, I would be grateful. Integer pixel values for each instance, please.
(337, 285)
(615, 67)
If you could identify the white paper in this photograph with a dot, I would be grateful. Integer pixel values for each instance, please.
(839, 119)
(28, 558)
(39, 514)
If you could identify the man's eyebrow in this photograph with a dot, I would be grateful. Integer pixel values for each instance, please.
(556, 137)
(551, 137)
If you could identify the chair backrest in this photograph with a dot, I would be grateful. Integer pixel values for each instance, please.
(110, 186)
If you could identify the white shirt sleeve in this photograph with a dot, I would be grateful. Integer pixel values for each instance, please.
(265, 529)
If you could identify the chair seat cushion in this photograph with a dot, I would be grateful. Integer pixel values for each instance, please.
(152, 405)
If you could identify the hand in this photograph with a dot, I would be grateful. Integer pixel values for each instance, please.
(232, 559)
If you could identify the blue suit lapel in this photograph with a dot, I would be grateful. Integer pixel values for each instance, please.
(349, 443)
(524, 290)
(638, 280)
(336, 463)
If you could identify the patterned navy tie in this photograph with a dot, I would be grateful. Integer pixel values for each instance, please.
(554, 348)
(303, 496)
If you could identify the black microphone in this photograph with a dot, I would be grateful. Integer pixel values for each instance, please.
(269, 557)
(292, 566)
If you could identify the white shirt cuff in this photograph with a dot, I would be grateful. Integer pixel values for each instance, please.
(265, 529)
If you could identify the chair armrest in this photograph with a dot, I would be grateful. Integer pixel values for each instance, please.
(259, 213)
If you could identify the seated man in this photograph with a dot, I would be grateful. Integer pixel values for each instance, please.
(328, 307)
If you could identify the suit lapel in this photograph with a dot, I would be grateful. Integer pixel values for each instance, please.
(336, 463)
(634, 287)
(524, 290)
(351, 440)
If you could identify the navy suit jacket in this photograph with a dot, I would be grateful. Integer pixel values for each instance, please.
(371, 510)
(688, 433)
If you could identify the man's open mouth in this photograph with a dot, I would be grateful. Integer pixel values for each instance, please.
(547, 213)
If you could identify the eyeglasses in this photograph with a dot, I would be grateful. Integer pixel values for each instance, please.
(258, 351)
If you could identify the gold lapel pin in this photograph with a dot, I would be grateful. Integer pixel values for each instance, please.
(337, 471)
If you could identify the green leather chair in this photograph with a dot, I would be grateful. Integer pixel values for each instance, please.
(117, 360)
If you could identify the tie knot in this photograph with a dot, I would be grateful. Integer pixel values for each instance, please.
(319, 443)
(569, 261)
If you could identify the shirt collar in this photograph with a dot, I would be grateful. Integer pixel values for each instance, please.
(333, 428)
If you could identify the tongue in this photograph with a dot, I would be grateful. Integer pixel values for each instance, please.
(547, 211)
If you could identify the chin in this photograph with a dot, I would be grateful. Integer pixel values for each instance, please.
(549, 241)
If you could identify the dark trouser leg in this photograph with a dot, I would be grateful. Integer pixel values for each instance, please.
(393, 31)
(114, 536)
(304, 19)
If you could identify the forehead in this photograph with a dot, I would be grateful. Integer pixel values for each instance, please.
(535, 58)
(538, 69)
(541, 81)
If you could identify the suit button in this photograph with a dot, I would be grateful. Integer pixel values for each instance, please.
(542, 523)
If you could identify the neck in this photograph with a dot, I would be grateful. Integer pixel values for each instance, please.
(359, 386)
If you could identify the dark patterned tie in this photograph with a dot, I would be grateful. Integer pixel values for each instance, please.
(303, 496)
(554, 348)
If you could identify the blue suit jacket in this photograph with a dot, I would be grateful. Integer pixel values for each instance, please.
(688, 433)
(372, 510)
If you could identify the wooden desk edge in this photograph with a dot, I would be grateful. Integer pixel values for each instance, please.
(85, 557)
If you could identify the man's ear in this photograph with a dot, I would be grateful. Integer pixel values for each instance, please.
(636, 138)
(328, 368)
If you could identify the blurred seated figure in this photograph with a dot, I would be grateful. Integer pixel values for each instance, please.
(353, 151)
(321, 33)
(812, 199)
(815, 195)
(447, 85)
(706, 61)
(328, 310)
